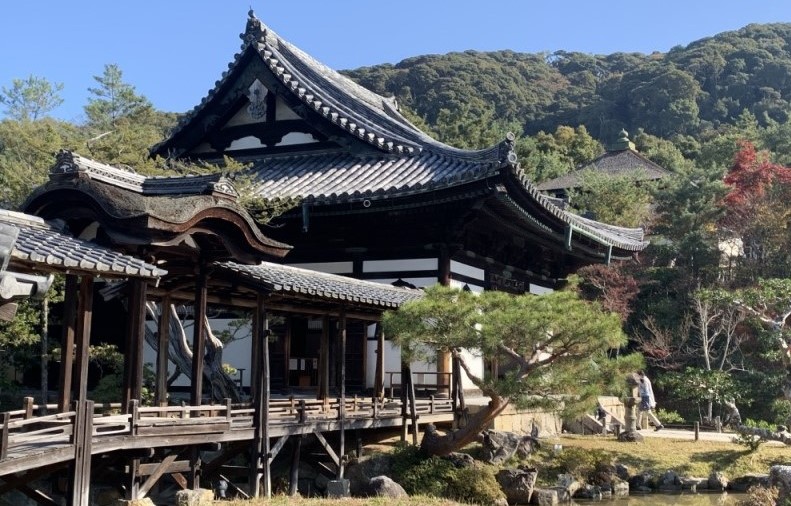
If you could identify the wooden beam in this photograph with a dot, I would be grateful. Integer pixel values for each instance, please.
(379, 381)
(156, 475)
(198, 337)
(342, 407)
(137, 308)
(278, 446)
(328, 448)
(70, 299)
(324, 360)
(83, 336)
(81, 467)
(294, 476)
(259, 385)
(163, 335)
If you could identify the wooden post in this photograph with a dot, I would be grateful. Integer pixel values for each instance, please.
(379, 379)
(83, 336)
(324, 360)
(198, 337)
(412, 406)
(135, 339)
(67, 342)
(294, 478)
(697, 430)
(403, 397)
(259, 385)
(342, 407)
(27, 405)
(163, 335)
(81, 467)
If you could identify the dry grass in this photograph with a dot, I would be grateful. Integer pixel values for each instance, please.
(300, 501)
(689, 458)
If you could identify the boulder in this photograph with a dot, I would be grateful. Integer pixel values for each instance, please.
(669, 481)
(591, 492)
(517, 484)
(544, 497)
(631, 436)
(499, 446)
(200, 497)
(620, 489)
(780, 477)
(382, 486)
(622, 472)
(643, 482)
(717, 481)
(460, 460)
(569, 484)
(743, 483)
(360, 473)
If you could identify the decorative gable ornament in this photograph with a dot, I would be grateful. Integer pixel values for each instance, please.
(256, 94)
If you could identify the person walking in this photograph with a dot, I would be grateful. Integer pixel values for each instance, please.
(647, 402)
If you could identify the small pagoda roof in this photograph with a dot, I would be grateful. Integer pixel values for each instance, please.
(157, 211)
(294, 282)
(399, 160)
(38, 246)
(621, 159)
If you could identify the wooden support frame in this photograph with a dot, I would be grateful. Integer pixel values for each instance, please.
(70, 301)
(133, 366)
(83, 336)
(293, 485)
(261, 456)
(342, 406)
(81, 467)
(379, 374)
(198, 337)
(163, 336)
(324, 360)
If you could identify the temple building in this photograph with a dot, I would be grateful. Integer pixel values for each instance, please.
(621, 159)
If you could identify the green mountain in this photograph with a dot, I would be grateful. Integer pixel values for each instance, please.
(689, 90)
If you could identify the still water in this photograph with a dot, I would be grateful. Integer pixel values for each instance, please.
(675, 499)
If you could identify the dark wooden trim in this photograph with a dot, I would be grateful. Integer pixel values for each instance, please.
(70, 300)
(163, 336)
(342, 407)
(137, 310)
(198, 337)
(83, 336)
(324, 364)
(379, 376)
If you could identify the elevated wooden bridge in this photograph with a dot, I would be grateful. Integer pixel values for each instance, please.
(158, 441)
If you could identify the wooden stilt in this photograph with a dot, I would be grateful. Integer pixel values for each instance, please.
(403, 397)
(379, 378)
(163, 336)
(260, 453)
(81, 468)
(412, 405)
(324, 359)
(198, 337)
(294, 477)
(83, 336)
(342, 406)
(71, 297)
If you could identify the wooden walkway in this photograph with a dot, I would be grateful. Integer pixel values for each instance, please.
(31, 442)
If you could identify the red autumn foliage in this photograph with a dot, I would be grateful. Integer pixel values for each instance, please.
(751, 175)
(614, 288)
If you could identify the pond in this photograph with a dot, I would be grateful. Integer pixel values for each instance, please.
(659, 499)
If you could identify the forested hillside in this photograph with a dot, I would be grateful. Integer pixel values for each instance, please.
(691, 90)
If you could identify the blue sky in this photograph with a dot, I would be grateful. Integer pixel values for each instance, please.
(173, 51)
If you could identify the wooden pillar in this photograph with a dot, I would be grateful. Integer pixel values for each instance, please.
(135, 339)
(80, 469)
(163, 335)
(443, 358)
(294, 478)
(342, 406)
(83, 336)
(324, 360)
(379, 380)
(198, 337)
(71, 297)
(259, 383)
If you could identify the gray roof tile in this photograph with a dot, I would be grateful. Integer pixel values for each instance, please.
(41, 246)
(284, 279)
(614, 163)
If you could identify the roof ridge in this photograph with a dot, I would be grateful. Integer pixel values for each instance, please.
(69, 163)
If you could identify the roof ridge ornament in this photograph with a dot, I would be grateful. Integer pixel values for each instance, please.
(507, 152)
(66, 162)
(255, 31)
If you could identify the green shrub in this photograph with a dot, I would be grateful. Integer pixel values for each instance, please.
(669, 416)
(781, 411)
(584, 464)
(435, 476)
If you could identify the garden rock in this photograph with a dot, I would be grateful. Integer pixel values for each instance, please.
(622, 472)
(382, 486)
(569, 484)
(592, 492)
(643, 482)
(499, 446)
(717, 481)
(630, 437)
(460, 460)
(360, 473)
(743, 483)
(620, 488)
(669, 481)
(780, 477)
(517, 484)
(694, 484)
(544, 497)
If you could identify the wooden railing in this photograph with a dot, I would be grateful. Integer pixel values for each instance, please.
(422, 381)
(23, 428)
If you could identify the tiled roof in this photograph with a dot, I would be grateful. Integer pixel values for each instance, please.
(625, 162)
(405, 161)
(288, 280)
(42, 247)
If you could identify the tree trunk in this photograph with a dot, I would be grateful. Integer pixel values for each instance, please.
(441, 445)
